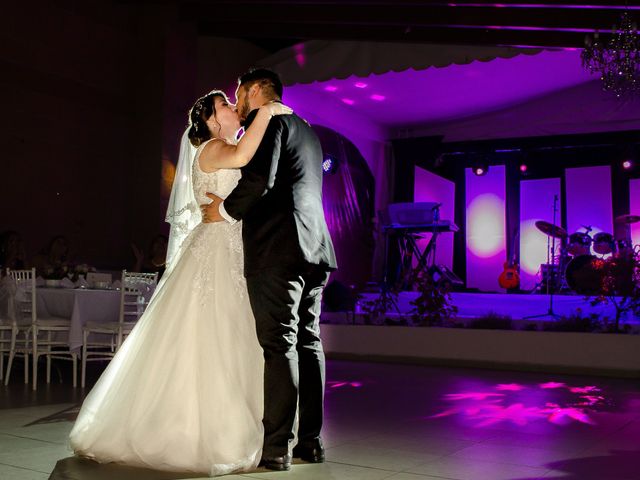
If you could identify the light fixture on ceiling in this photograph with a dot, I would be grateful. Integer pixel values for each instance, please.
(618, 62)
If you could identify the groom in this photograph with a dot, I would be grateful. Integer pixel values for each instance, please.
(288, 255)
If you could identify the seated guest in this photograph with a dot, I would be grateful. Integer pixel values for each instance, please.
(53, 260)
(12, 251)
(154, 260)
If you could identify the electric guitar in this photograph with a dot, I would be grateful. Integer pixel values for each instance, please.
(510, 277)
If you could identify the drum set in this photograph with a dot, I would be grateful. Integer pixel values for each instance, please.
(578, 266)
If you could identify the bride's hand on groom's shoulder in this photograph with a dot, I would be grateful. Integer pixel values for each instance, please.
(211, 211)
(277, 108)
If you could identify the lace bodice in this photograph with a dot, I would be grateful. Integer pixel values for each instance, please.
(220, 182)
(202, 239)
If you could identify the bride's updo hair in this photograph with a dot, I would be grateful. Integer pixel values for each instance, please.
(200, 113)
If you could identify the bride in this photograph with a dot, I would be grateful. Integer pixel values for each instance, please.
(184, 392)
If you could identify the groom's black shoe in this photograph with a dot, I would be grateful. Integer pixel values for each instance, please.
(279, 464)
(312, 453)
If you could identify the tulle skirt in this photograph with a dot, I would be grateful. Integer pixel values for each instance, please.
(184, 392)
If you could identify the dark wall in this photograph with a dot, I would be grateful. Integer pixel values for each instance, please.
(80, 135)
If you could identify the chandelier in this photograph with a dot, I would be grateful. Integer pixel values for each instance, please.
(618, 62)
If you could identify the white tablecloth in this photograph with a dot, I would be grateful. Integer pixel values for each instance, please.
(79, 305)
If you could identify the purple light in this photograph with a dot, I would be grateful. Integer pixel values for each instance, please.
(523, 168)
(331, 88)
(340, 384)
(510, 387)
(360, 85)
(479, 171)
(300, 57)
(627, 164)
(348, 101)
(327, 164)
(551, 385)
(378, 98)
(522, 405)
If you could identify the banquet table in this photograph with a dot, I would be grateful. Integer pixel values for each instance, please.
(80, 306)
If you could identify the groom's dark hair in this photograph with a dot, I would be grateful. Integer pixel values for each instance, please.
(267, 79)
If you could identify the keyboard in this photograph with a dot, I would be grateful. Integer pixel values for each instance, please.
(440, 226)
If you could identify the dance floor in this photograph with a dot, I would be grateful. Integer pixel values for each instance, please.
(392, 421)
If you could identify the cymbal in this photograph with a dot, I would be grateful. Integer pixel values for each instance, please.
(551, 229)
(628, 219)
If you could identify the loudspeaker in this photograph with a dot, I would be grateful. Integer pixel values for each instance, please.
(337, 297)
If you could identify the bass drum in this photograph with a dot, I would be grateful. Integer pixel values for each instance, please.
(584, 275)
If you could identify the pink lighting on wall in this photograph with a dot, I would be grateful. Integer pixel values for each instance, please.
(361, 85)
(377, 97)
(485, 227)
(331, 88)
(348, 101)
(589, 199)
(536, 203)
(429, 187)
(486, 232)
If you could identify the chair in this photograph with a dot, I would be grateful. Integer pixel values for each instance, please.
(135, 293)
(41, 330)
(13, 325)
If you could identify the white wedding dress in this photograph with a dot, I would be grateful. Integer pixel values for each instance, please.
(184, 392)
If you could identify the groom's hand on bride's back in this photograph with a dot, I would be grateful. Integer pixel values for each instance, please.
(211, 211)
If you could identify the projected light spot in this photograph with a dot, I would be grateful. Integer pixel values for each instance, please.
(361, 85)
(331, 88)
(521, 405)
(378, 98)
(533, 248)
(348, 101)
(486, 225)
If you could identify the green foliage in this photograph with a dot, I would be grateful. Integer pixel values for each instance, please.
(620, 287)
(433, 305)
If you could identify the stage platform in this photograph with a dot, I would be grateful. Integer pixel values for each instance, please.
(476, 305)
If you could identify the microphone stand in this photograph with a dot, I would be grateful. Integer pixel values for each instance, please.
(552, 273)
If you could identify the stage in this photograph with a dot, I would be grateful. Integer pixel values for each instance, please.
(491, 331)
(477, 305)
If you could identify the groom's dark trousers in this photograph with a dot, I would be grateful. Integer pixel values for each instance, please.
(286, 305)
(288, 255)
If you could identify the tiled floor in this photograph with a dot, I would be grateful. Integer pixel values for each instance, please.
(394, 422)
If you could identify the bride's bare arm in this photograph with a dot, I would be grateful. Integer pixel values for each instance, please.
(223, 155)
